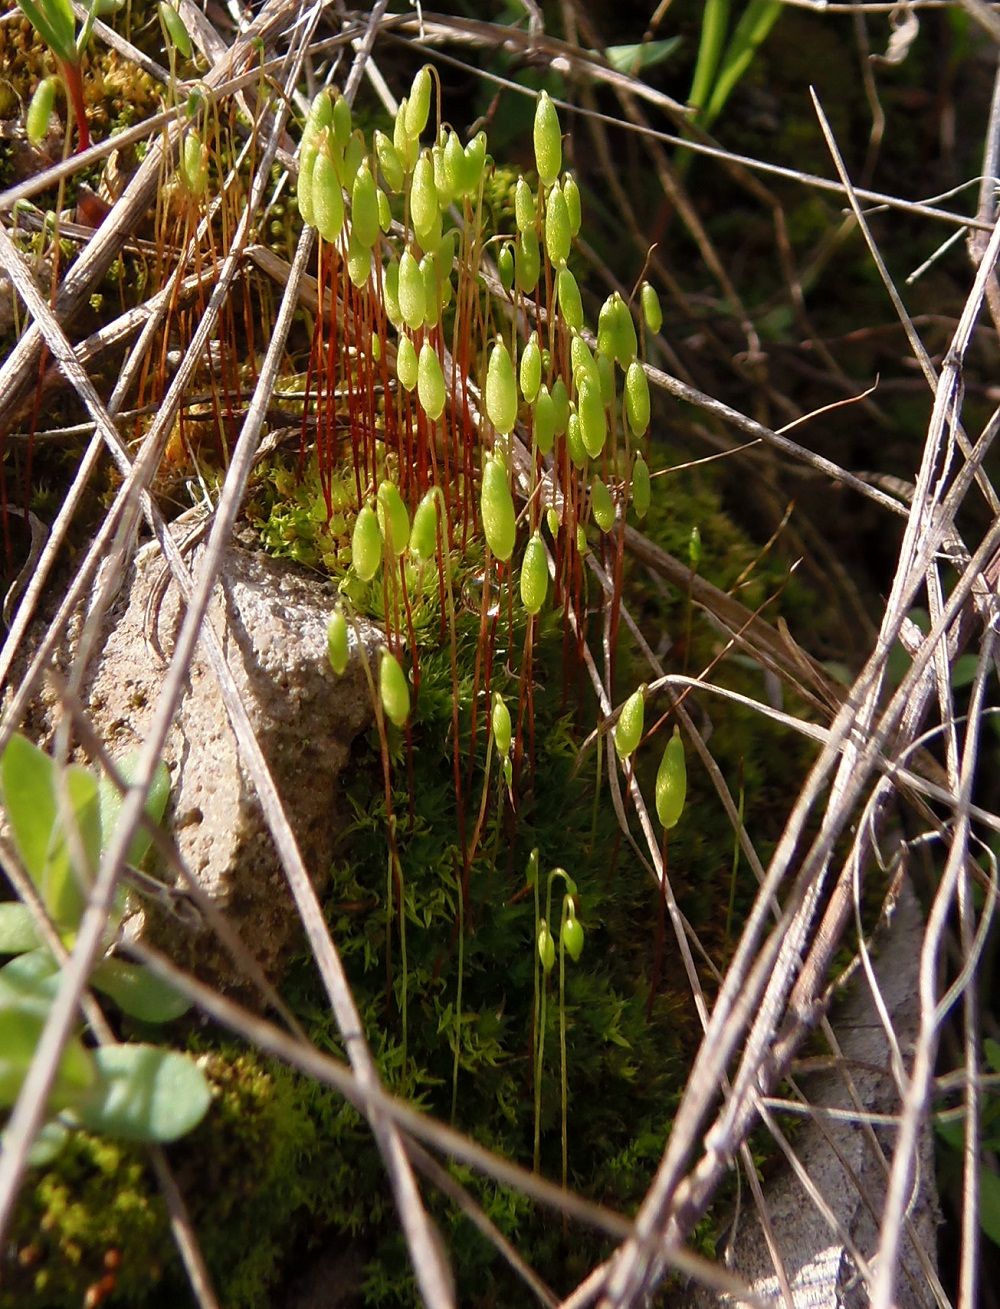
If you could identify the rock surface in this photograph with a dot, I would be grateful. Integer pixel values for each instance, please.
(271, 618)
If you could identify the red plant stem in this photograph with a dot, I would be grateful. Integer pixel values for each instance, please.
(72, 76)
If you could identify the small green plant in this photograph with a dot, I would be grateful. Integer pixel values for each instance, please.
(55, 23)
(61, 821)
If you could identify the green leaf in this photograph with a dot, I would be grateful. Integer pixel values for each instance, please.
(17, 928)
(29, 782)
(54, 22)
(111, 805)
(144, 1093)
(138, 992)
(33, 974)
(633, 59)
(21, 1025)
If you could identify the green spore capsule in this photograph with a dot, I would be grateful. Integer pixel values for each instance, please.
(327, 197)
(412, 304)
(41, 106)
(424, 208)
(442, 174)
(432, 291)
(393, 520)
(641, 486)
(628, 729)
(581, 540)
(336, 641)
(430, 382)
(544, 421)
(651, 310)
(571, 194)
(497, 509)
(552, 521)
(671, 782)
(407, 368)
(342, 122)
(582, 362)
(320, 112)
(557, 232)
(571, 935)
(194, 165)
(174, 27)
(501, 725)
(534, 573)
(364, 207)
(474, 160)
(546, 948)
(354, 156)
(501, 389)
(602, 506)
(570, 304)
(530, 371)
(547, 140)
(524, 205)
(593, 422)
(606, 375)
(560, 400)
(527, 261)
(418, 104)
(574, 440)
(389, 162)
(359, 261)
(303, 187)
(505, 266)
(366, 544)
(616, 336)
(407, 146)
(423, 534)
(694, 548)
(636, 398)
(394, 689)
(453, 160)
(384, 211)
(390, 294)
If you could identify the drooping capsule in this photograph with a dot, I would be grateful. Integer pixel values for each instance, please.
(527, 261)
(544, 420)
(530, 370)
(651, 310)
(500, 722)
(671, 782)
(423, 533)
(366, 544)
(407, 369)
(418, 102)
(641, 487)
(424, 208)
(547, 140)
(524, 205)
(336, 641)
(602, 506)
(534, 574)
(628, 729)
(430, 382)
(501, 389)
(497, 509)
(364, 207)
(393, 520)
(43, 102)
(636, 398)
(557, 231)
(327, 196)
(571, 933)
(394, 690)
(593, 422)
(412, 303)
(570, 304)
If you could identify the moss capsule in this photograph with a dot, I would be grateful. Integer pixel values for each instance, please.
(406, 363)
(412, 304)
(602, 506)
(546, 948)
(394, 689)
(641, 486)
(41, 106)
(327, 196)
(534, 574)
(628, 729)
(636, 398)
(530, 370)
(524, 205)
(593, 422)
(424, 208)
(423, 533)
(651, 310)
(570, 304)
(336, 641)
(501, 389)
(366, 544)
(571, 194)
(671, 782)
(389, 162)
(557, 232)
(547, 140)
(544, 420)
(364, 207)
(571, 935)
(430, 382)
(527, 261)
(176, 32)
(393, 520)
(497, 508)
(500, 720)
(505, 266)
(418, 105)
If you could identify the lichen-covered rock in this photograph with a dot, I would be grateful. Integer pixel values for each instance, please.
(271, 619)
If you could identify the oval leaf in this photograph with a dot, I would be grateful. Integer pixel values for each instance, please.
(144, 1093)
